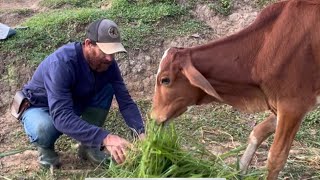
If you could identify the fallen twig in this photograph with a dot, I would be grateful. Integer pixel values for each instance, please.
(14, 152)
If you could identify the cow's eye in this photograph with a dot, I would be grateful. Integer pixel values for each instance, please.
(165, 81)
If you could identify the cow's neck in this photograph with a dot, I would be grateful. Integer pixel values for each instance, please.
(228, 60)
(228, 65)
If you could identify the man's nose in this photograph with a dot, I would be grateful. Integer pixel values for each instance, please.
(108, 58)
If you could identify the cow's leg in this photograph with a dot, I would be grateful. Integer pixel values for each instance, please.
(289, 118)
(259, 133)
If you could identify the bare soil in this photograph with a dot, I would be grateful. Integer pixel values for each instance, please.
(10, 17)
(19, 4)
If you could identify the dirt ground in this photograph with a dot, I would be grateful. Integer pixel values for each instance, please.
(18, 4)
(13, 19)
(11, 138)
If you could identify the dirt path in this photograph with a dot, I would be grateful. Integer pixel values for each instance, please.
(10, 14)
(19, 4)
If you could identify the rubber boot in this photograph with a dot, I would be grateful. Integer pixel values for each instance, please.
(48, 158)
(94, 155)
(95, 116)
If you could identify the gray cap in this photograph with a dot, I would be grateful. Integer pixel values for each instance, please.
(107, 36)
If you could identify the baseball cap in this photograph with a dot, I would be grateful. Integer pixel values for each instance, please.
(107, 36)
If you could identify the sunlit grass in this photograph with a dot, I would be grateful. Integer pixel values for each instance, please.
(140, 23)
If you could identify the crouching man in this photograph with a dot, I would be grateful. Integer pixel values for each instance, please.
(71, 92)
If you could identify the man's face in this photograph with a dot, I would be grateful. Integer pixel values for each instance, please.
(98, 60)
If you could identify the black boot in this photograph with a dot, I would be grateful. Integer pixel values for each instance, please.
(48, 158)
(94, 155)
(95, 116)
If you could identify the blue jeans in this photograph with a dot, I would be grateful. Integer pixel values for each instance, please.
(38, 124)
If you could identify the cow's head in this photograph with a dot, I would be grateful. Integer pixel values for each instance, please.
(178, 85)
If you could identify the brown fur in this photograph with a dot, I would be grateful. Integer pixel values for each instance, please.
(273, 64)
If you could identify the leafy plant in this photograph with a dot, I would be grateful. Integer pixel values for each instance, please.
(57, 4)
(222, 6)
(313, 117)
(263, 3)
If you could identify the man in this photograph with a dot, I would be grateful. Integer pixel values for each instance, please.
(71, 92)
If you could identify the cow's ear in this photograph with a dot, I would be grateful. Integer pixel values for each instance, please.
(198, 80)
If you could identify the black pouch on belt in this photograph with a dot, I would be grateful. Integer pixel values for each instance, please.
(19, 104)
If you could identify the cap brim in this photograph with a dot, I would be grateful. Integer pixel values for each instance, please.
(111, 48)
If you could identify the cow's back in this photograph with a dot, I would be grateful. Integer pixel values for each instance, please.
(289, 60)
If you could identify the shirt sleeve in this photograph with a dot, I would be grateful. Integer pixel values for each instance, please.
(127, 106)
(58, 80)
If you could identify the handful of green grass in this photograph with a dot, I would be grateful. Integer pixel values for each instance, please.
(161, 155)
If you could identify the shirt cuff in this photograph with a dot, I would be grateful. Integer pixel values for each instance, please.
(99, 140)
(141, 130)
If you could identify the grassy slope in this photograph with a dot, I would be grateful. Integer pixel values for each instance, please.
(51, 29)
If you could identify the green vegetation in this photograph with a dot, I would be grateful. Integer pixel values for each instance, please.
(263, 3)
(11, 78)
(161, 155)
(57, 4)
(188, 142)
(9, 153)
(141, 22)
(222, 6)
(308, 132)
(20, 12)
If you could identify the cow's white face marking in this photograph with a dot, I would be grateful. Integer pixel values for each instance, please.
(163, 57)
(159, 69)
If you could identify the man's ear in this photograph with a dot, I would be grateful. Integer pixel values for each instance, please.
(88, 42)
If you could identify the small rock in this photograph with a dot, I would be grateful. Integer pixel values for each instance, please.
(195, 35)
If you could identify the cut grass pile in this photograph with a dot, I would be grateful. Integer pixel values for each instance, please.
(161, 155)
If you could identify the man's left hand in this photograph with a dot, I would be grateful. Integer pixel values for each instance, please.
(142, 136)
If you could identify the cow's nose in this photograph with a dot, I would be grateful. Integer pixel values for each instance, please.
(155, 116)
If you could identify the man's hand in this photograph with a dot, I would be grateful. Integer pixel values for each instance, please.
(142, 136)
(116, 147)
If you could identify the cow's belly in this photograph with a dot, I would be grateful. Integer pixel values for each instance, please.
(247, 104)
(245, 98)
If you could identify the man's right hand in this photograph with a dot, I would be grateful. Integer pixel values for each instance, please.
(116, 147)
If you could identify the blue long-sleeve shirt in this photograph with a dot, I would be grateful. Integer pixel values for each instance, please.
(64, 80)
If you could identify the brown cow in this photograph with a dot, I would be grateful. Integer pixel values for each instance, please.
(274, 64)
